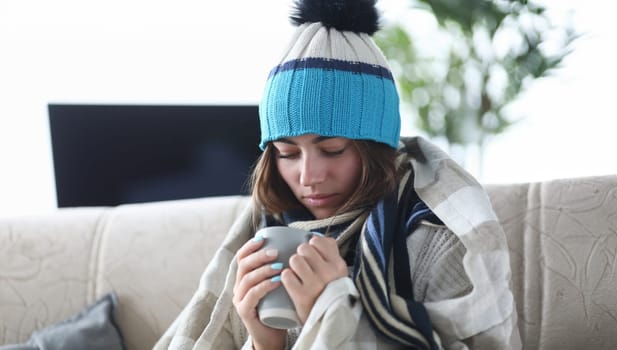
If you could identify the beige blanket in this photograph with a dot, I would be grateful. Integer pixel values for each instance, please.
(209, 321)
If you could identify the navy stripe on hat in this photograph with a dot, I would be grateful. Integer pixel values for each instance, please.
(328, 63)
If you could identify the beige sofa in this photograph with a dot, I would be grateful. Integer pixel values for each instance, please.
(562, 236)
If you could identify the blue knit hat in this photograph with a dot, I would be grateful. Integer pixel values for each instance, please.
(333, 80)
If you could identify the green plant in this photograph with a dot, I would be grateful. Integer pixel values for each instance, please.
(489, 53)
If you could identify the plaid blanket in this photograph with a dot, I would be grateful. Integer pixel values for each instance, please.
(378, 255)
(209, 320)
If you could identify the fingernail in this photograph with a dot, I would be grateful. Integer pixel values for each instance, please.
(258, 239)
(276, 278)
(277, 266)
(272, 252)
(317, 234)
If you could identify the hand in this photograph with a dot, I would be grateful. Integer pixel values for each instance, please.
(253, 282)
(314, 265)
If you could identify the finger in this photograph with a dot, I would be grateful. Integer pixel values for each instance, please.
(255, 259)
(249, 247)
(255, 277)
(302, 295)
(258, 291)
(311, 256)
(247, 304)
(326, 247)
(291, 281)
(333, 265)
(301, 268)
(249, 258)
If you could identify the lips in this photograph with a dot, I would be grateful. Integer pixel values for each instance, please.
(319, 200)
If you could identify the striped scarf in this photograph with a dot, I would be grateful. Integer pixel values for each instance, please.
(377, 249)
(382, 274)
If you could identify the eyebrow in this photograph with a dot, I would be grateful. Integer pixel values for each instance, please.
(316, 140)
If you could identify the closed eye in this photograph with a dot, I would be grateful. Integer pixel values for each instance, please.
(287, 155)
(334, 153)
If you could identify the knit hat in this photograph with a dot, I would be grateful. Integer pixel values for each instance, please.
(333, 80)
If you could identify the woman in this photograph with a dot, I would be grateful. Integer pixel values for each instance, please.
(412, 257)
(324, 176)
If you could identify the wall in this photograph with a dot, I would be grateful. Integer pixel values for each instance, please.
(197, 52)
(157, 52)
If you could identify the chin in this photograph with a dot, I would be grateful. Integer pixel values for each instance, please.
(322, 214)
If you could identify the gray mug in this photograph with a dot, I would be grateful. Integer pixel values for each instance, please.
(276, 309)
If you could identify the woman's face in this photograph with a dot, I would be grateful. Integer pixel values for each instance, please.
(322, 172)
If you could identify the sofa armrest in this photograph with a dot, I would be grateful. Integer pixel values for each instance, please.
(45, 264)
(562, 237)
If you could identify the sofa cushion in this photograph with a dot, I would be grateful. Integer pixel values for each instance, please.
(153, 255)
(93, 328)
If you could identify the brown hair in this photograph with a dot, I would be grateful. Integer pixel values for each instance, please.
(378, 178)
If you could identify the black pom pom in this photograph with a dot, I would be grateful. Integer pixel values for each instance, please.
(358, 16)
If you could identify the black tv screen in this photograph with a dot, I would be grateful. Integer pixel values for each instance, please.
(106, 155)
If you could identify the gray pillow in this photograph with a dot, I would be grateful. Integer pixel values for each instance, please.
(93, 328)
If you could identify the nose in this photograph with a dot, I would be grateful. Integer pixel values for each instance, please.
(312, 171)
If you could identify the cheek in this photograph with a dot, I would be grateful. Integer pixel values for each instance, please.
(351, 172)
(357, 174)
(286, 172)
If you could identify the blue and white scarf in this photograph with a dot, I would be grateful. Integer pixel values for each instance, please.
(381, 271)
(381, 263)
